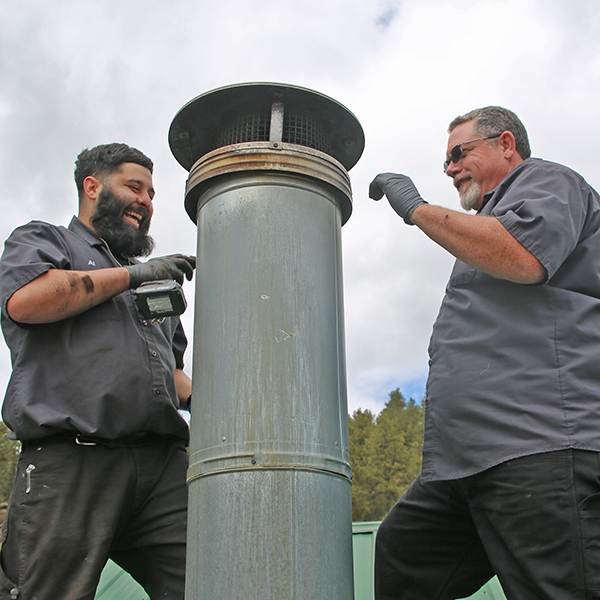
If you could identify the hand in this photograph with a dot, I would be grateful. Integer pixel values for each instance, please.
(174, 266)
(400, 191)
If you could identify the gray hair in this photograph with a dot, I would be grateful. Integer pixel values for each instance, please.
(495, 119)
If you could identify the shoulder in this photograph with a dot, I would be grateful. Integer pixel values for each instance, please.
(540, 170)
(536, 179)
(35, 227)
(39, 230)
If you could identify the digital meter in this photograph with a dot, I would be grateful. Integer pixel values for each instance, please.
(160, 299)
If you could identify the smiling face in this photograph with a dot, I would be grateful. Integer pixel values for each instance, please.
(123, 210)
(482, 165)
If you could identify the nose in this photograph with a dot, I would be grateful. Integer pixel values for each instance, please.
(145, 198)
(452, 169)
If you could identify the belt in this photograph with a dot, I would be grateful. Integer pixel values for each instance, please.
(142, 438)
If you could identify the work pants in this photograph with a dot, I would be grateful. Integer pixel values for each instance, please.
(533, 521)
(72, 507)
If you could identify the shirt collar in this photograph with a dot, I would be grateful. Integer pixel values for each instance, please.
(85, 232)
(488, 195)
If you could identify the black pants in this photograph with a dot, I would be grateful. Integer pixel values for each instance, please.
(73, 507)
(533, 521)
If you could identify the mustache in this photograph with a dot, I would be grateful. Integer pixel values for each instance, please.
(458, 181)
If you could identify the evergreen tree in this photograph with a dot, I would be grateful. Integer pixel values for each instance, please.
(361, 427)
(9, 456)
(385, 454)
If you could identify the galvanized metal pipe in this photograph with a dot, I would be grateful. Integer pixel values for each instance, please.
(269, 476)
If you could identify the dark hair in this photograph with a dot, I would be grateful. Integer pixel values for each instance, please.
(105, 160)
(495, 119)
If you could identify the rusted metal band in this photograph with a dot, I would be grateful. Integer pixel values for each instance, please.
(268, 156)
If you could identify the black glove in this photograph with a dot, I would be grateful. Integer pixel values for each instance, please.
(174, 266)
(400, 191)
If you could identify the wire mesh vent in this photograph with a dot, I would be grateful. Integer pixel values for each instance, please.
(300, 128)
(253, 127)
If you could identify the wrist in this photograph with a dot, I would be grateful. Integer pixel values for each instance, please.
(133, 280)
(408, 216)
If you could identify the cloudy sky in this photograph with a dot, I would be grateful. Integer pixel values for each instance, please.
(76, 73)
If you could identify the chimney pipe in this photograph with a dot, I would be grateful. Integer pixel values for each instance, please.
(269, 476)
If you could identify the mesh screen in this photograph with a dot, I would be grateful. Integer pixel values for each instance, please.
(253, 127)
(298, 128)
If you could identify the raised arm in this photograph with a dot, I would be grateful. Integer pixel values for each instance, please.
(60, 294)
(479, 241)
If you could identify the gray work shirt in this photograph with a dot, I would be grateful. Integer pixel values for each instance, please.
(515, 369)
(107, 372)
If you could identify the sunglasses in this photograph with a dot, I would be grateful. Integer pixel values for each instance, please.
(457, 152)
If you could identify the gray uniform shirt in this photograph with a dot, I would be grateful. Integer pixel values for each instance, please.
(107, 372)
(515, 369)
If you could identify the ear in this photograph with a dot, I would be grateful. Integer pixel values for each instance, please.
(87, 201)
(92, 187)
(508, 144)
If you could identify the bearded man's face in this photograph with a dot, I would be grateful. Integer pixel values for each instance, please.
(113, 222)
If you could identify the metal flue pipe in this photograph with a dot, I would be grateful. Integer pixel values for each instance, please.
(269, 477)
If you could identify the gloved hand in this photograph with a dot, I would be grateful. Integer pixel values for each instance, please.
(174, 266)
(400, 191)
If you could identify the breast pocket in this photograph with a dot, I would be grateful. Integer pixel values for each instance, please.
(461, 274)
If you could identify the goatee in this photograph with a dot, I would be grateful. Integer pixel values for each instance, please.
(123, 239)
(470, 197)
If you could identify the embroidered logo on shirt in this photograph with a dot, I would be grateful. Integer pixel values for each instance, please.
(91, 262)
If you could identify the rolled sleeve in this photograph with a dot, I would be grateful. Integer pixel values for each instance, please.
(545, 211)
(29, 252)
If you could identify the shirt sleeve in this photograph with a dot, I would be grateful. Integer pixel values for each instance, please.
(30, 251)
(545, 209)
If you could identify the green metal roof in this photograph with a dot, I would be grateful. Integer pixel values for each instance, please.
(363, 543)
(116, 584)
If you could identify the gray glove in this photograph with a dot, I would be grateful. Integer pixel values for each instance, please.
(174, 266)
(400, 191)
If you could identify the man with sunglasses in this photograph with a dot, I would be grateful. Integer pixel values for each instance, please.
(510, 481)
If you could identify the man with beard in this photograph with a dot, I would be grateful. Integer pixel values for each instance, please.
(94, 395)
(510, 481)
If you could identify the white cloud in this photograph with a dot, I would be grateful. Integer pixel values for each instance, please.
(75, 74)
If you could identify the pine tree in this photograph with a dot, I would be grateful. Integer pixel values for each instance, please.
(9, 456)
(385, 454)
(361, 427)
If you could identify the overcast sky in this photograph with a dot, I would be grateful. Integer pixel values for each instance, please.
(74, 74)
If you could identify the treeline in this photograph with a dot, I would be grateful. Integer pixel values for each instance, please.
(9, 456)
(385, 455)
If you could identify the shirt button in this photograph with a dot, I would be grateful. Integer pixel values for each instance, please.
(154, 353)
(157, 391)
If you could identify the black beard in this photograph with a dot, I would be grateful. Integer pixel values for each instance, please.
(123, 239)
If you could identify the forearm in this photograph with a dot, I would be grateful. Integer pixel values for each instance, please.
(481, 242)
(183, 385)
(60, 294)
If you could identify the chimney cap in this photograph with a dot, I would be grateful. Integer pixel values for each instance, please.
(195, 128)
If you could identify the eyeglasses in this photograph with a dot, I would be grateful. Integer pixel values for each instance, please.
(457, 152)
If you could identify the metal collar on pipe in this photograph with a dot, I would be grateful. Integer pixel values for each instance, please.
(268, 156)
